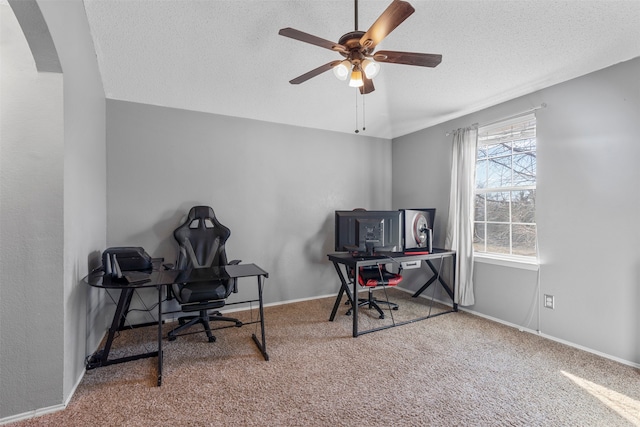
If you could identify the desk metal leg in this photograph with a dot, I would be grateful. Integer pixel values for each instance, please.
(453, 279)
(160, 361)
(354, 301)
(351, 295)
(425, 286)
(261, 345)
(101, 357)
(118, 320)
(437, 275)
(344, 288)
(440, 279)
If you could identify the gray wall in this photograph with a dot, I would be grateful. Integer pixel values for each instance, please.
(52, 209)
(85, 201)
(31, 228)
(587, 211)
(276, 187)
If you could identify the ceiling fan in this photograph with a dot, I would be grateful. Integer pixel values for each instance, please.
(361, 63)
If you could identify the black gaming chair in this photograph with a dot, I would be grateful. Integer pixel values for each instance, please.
(371, 277)
(201, 241)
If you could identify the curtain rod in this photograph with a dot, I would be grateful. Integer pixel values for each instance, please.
(512, 116)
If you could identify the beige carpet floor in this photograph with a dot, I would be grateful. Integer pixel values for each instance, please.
(451, 370)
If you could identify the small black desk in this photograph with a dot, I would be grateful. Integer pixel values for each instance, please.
(355, 262)
(159, 279)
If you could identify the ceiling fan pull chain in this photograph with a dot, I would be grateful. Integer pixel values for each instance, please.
(364, 115)
(357, 131)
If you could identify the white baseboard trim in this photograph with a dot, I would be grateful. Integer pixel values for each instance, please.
(75, 387)
(275, 304)
(44, 411)
(552, 338)
(35, 413)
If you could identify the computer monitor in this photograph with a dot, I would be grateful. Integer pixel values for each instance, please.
(418, 228)
(368, 231)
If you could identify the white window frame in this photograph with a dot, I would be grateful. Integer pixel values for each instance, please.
(509, 260)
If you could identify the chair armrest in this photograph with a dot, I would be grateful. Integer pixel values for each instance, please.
(169, 289)
(235, 281)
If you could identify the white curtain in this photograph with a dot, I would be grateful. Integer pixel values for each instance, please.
(461, 207)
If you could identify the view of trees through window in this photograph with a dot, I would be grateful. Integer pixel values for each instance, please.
(505, 198)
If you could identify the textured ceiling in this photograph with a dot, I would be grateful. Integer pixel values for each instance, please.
(226, 57)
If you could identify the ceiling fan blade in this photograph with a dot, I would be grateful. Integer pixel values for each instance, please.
(393, 16)
(408, 58)
(308, 38)
(367, 87)
(321, 69)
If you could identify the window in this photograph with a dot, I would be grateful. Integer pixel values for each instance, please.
(505, 199)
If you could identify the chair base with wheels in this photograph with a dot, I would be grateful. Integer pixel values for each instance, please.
(203, 318)
(372, 277)
(372, 302)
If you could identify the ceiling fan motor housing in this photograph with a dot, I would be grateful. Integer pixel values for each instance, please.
(355, 52)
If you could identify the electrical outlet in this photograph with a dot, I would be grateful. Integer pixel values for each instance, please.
(549, 301)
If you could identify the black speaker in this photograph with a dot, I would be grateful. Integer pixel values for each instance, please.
(129, 258)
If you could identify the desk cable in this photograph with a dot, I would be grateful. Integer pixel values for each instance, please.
(145, 309)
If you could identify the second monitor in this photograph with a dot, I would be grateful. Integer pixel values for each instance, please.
(418, 228)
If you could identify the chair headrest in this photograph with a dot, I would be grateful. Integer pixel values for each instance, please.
(200, 219)
(202, 239)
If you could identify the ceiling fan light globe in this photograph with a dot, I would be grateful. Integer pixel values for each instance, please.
(341, 71)
(356, 79)
(371, 69)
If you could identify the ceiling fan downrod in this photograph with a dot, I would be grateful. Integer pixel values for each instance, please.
(356, 14)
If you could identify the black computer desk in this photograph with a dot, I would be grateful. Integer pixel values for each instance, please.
(160, 279)
(349, 261)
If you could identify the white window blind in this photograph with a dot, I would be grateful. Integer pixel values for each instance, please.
(506, 188)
